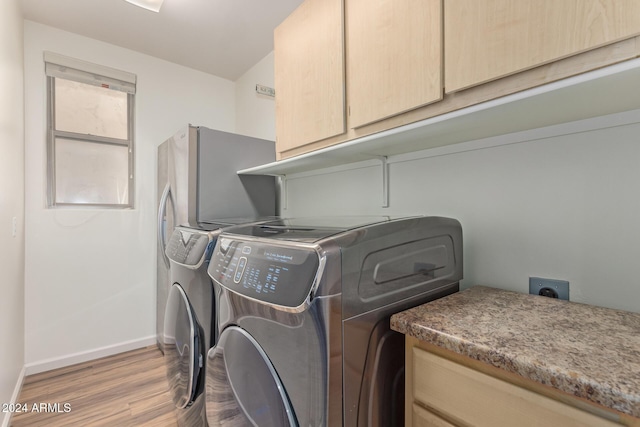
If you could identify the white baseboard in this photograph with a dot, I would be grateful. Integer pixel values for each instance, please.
(6, 422)
(85, 356)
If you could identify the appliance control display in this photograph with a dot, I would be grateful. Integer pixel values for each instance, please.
(188, 248)
(274, 274)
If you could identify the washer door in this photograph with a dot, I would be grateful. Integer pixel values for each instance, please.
(182, 348)
(242, 387)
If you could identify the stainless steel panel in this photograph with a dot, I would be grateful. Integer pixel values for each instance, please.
(203, 165)
(308, 229)
(282, 276)
(165, 226)
(188, 251)
(305, 348)
(220, 191)
(197, 168)
(361, 251)
(182, 343)
(182, 172)
(243, 387)
(304, 361)
(406, 266)
(374, 363)
(188, 248)
(337, 358)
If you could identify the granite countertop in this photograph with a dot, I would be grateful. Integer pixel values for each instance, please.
(587, 351)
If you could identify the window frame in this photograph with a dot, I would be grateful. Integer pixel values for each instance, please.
(52, 134)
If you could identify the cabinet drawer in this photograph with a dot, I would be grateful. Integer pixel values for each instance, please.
(424, 418)
(475, 399)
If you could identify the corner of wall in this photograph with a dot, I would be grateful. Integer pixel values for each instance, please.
(6, 422)
(255, 113)
(12, 335)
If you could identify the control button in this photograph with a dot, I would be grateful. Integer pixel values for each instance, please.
(242, 263)
(246, 250)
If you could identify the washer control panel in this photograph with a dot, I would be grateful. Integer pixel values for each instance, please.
(275, 274)
(189, 248)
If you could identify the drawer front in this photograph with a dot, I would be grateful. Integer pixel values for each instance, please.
(472, 398)
(424, 418)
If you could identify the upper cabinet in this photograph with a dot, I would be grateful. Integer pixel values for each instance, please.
(309, 74)
(393, 64)
(405, 61)
(488, 39)
(394, 57)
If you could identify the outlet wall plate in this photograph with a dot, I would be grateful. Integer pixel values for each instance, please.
(265, 90)
(549, 287)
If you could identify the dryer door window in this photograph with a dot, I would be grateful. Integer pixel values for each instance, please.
(242, 387)
(182, 344)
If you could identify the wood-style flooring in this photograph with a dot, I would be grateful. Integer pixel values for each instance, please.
(128, 389)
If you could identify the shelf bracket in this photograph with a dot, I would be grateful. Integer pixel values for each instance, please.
(283, 192)
(385, 180)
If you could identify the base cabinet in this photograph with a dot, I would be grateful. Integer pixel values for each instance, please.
(443, 393)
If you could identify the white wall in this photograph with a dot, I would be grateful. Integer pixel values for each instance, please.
(90, 273)
(562, 204)
(256, 114)
(11, 200)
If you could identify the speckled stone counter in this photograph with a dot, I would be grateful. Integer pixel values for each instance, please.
(590, 352)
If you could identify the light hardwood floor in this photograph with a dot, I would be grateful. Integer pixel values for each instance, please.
(128, 389)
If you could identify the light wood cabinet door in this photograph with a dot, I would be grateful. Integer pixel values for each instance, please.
(488, 39)
(394, 57)
(309, 74)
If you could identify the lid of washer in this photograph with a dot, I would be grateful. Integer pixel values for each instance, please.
(219, 223)
(307, 229)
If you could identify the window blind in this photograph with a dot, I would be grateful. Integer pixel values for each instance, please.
(86, 72)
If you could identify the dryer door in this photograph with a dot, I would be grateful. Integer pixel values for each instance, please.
(242, 387)
(182, 348)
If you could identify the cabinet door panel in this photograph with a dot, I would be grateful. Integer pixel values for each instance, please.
(488, 39)
(394, 57)
(309, 74)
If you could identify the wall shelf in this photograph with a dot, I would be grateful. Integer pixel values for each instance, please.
(596, 93)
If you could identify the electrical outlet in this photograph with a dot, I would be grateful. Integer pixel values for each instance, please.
(549, 287)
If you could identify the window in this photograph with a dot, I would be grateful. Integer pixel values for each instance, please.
(90, 134)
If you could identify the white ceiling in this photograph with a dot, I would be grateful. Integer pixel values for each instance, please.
(220, 37)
